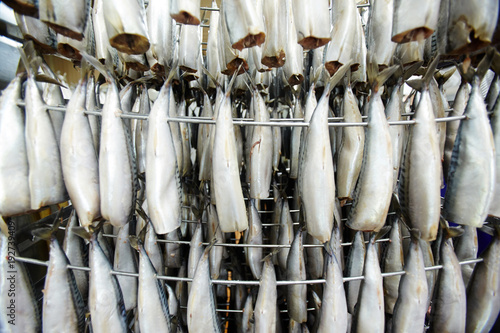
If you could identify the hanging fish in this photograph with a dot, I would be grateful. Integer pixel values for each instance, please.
(14, 168)
(160, 31)
(245, 27)
(265, 306)
(312, 23)
(273, 50)
(355, 267)
(379, 33)
(186, 11)
(296, 271)
(125, 260)
(393, 261)
(419, 25)
(66, 20)
(253, 236)
(293, 68)
(77, 253)
(33, 29)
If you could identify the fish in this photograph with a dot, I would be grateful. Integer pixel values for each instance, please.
(470, 26)
(466, 247)
(411, 52)
(333, 310)
(196, 249)
(52, 95)
(173, 250)
(125, 260)
(369, 314)
(247, 324)
(45, 173)
(44, 38)
(107, 310)
(483, 303)
(296, 271)
(245, 27)
(293, 67)
(215, 234)
(350, 156)
(273, 49)
(77, 253)
(14, 168)
(493, 92)
(261, 150)
(494, 210)
(186, 12)
(295, 140)
(393, 261)
(160, 31)
(315, 258)
(448, 311)
(411, 306)
(472, 169)
(420, 182)
(311, 23)
(185, 132)
(164, 192)
(355, 267)
(68, 21)
(459, 106)
(152, 306)
(141, 131)
(277, 139)
(286, 233)
(63, 306)
(203, 147)
(201, 306)
(265, 311)
(26, 316)
(417, 26)
(379, 33)
(91, 104)
(253, 236)
(79, 162)
(225, 172)
(374, 187)
(126, 25)
(24, 7)
(102, 45)
(189, 48)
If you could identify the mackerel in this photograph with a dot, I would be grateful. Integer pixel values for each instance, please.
(296, 271)
(253, 236)
(265, 311)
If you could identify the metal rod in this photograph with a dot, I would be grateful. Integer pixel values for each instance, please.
(282, 122)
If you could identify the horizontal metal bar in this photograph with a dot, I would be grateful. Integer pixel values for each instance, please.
(282, 122)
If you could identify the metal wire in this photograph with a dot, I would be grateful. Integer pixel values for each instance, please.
(240, 282)
(282, 122)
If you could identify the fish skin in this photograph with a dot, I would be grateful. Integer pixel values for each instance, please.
(333, 311)
(318, 184)
(91, 104)
(152, 303)
(350, 156)
(101, 38)
(472, 169)
(247, 324)
(203, 147)
(196, 249)
(79, 159)
(286, 233)
(214, 233)
(296, 271)
(466, 247)
(483, 303)
(277, 138)
(44, 160)
(355, 267)
(253, 236)
(273, 50)
(420, 183)
(213, 61)
(311, 23)
(459, 106)
(373, 192)
(33, 29)
(411, 52)
(448, 312)
(173, 250)
(185, 11)
(432, 275)
(163, 193)
(201, 315)
(493, 92)
(315, 259)
(225, 173)
(438, 105)
(295, 141)
(293, 68)
(141, 132)
(393, 112)
(52, 96)
(105, 296)
(265, 307)
(189, 49)
(369, 313)
(14, 168)
(115, 164)
(420, 25)
(411, 307)
(69, 21)
(63, 306)
(27, 312)
(77, 253)
(494, 209)
(261, 151)
(185, 139)
(126, 25)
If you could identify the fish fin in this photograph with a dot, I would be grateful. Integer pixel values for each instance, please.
(339, 74)
(441, 78)
(431, 69)
(495, 64)
(416, 84)
(105, 70)
(210, 76)
(25, 61)
(375, 78)
(82, 233)
(485, 63)
(450, 232)
(382, 232)
(134, 240)
(47, 232)
(412, 70)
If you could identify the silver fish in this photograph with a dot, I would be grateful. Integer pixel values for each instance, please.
(91, 104)
(315, 258)
(379, 33)
(14, 168)
(286, 233)
(141, 132)
(247, 324)
(160, 31)
(79, 159)
(295, 140)
(24, 317)
(333, 311)
(189, 49)
(76, 252)
(495, 127)
(203, 148)
(33, 29)
(472, 170)
(417, 26)
(201, 305)
(245, 27)
(253, 236)
(163, 193)
(355, 267)
(273, 50)
(296, 271)
(196, 249)
(393, 112)
(52, 95)
(265, 306)
(214, 233)
(369, 315)
(393, 262)
(411, 306)
(63, 306)
(466, 247)
(293, 68)
(186, 11)
(125, 260)
(68, 21)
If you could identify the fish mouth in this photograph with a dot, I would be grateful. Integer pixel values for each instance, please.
(274, 61)
(65, 31)
(311, 42)
(130, 43)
